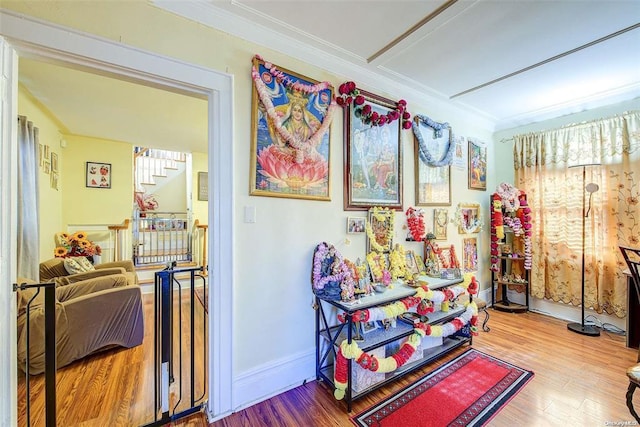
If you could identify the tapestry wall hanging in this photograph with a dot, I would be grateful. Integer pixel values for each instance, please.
(373, 157)
(290, 133)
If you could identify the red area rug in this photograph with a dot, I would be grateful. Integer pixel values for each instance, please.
(466, 391)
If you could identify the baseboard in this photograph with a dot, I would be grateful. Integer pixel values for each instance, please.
(272, 379)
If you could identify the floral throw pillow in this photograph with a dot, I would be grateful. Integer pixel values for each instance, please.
(75, 265)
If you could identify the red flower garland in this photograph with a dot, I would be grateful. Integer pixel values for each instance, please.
(349, 94)
(415, 220)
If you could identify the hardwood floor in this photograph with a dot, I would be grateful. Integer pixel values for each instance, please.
(579, 381)
(116, 387)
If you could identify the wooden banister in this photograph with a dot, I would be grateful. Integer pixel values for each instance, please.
(117, 229)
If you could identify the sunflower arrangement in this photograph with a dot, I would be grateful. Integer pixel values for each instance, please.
(76, 244)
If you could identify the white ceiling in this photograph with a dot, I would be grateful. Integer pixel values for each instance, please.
(511, 62)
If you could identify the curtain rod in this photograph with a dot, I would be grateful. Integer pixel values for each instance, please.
(586, 122)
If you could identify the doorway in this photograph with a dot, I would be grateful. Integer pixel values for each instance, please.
(67, 47)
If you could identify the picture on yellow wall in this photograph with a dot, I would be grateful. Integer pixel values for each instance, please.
(291, 116)
(98, 175)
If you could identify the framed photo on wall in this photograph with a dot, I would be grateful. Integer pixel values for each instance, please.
(379, 229)
(355, 225)
(98, 175)
(470, 254)
(440, 223)
(468, 218)
(289, 137)
(373, 159)
(477, 166)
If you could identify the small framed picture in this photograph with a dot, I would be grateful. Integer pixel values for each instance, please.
(98, 175)
(54, 180)
(477, 166)
(440, 221)
(369, 327)
(203, 186)
(470, 254)
(412, 264)
(355, 225)
(54, 162)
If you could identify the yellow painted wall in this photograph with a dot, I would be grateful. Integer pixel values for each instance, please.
(199, 208)
(85, 205)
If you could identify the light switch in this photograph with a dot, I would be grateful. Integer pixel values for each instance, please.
(250, 214)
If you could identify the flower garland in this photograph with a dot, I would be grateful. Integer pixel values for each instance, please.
(350, 95)
(398, 263)
(381, 215)
(497, 230)
(389, 364)
(423, 150)
(264, 96)
(476, 226)
(526, 225)
(509, 195)
(415, 220)
(377, 272)
(329, 268)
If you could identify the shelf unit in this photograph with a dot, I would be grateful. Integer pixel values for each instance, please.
(329, 336)
(509, 265)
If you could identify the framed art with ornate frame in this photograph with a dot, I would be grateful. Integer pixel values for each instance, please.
(434, 146)
(468, 218)
(477, 166)
(373, 159)
(379, 229)
(290, 142)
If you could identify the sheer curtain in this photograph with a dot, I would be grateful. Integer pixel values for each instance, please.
(28, 234)
(555, 190)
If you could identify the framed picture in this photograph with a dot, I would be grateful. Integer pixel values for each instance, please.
(372, 159)
(468, 218)
(368, 327)
(477, 166)
(379, 229)
(470, 254)
(46, 165)
(54, 162)
(377, 262)
(289, 143)
(433, 183)
(411, 262)
(420, 263)
(440, 222)
(355, 225)
(40, 154)
(203, 186)
(98, 175)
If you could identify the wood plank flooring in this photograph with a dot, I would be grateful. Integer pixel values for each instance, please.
(579, 381)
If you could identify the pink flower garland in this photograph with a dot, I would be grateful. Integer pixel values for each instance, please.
(349, 94)
(264, 96)
(526, 224)
(322, 252)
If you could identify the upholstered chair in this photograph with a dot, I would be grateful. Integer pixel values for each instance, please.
(91, 315)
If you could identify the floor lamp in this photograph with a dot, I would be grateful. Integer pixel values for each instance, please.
(590, 188)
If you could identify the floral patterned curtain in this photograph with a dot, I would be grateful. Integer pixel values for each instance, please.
(548, 167)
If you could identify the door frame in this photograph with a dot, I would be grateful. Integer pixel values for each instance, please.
(28, 37)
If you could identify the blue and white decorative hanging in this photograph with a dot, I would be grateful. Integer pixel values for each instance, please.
(423, 150)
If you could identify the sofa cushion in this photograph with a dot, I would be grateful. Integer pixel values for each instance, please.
(75, 265)
(52, 268)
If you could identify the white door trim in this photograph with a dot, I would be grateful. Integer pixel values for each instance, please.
(44, 41)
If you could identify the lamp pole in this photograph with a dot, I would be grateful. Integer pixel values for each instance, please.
(581, 328)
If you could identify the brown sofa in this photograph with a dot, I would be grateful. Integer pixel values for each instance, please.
(54, 269)
(91, 315)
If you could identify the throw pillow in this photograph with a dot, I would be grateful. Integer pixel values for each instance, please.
(85, 263)
(75, 265)
(72, 266)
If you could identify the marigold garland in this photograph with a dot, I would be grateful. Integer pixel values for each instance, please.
(350, 95)
(380, 215)
(389, 364)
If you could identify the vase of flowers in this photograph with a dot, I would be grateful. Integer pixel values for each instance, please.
(76, 244)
